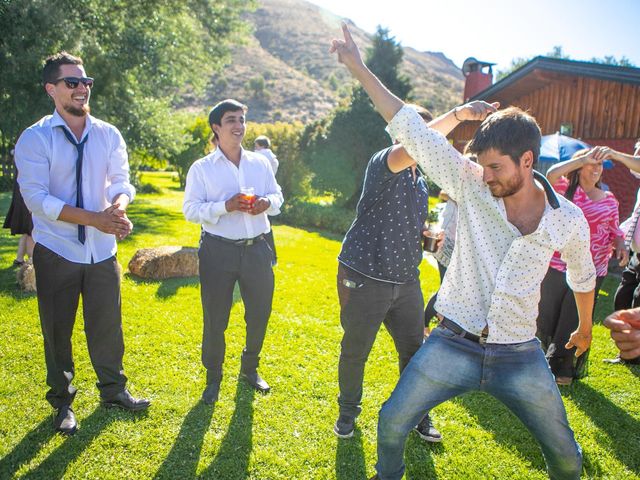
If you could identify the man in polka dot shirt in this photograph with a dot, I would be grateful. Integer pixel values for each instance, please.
(509, 225)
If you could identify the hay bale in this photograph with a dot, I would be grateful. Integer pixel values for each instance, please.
(26, 277)
(165, 262)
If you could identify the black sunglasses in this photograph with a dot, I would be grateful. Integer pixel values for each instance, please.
(73, 82)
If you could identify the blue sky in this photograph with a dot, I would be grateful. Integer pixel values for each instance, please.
(500, 30)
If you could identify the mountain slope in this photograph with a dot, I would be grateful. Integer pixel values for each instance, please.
(285, 71)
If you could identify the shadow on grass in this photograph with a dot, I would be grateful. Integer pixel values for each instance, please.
(55, 465)
(232, 460)
(183, 458)
(419, 459)
(27, 449)
(506, 428)
(169, 287)
(622, 430)
(350, 458)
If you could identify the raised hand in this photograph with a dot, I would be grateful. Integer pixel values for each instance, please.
(347, 50)
(477, 110)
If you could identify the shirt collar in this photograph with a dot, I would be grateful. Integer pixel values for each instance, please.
(57, 121)
(217, 154)
(552, 198)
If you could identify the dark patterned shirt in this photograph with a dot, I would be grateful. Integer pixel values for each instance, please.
(384, 240)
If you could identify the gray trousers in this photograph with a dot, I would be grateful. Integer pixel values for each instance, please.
(222, 265)
(365, 304)
(60, 283)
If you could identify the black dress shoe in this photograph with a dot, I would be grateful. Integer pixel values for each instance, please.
(125, 401)
(65, 421)
(256, 381)
(210, 394)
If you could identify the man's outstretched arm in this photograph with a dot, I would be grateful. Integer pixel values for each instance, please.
(385, 102)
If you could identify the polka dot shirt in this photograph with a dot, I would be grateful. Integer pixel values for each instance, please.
(495, 272)
(384, 241)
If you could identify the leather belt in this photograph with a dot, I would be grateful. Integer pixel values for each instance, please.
(242, 242)
(458, 330)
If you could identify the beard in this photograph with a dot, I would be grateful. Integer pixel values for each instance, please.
(500, 190)
(78, 112)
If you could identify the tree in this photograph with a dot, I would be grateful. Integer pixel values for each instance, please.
(557, 52)
(338, 149)
(196, 144)
(144, 54)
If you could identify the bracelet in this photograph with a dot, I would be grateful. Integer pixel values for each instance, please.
(455, 114)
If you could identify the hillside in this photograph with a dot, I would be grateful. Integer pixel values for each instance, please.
(285, 73)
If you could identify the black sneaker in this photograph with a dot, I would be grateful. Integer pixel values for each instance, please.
(427, 431)
(344, 426)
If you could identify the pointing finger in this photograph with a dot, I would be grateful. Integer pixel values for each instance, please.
(347, 34)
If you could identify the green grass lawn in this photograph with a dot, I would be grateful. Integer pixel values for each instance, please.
(286, 434)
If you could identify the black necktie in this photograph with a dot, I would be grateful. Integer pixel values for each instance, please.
(79, 202)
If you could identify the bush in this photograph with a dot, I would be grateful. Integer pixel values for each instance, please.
(293, 174)
(148, 188)
(303, 213)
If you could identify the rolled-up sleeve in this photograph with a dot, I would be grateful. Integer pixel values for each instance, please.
(32, 162)
(447, 167)
(195, 207)
(581, 273)
(118, 169)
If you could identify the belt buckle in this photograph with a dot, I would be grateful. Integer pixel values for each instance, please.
(483, 339)
(249, 242)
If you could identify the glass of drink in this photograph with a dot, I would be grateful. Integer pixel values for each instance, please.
(249, 195)
(430, 241)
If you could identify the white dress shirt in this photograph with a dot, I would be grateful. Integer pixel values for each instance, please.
(214, 179)
(273, 160)
(46, 163)
(495, 272)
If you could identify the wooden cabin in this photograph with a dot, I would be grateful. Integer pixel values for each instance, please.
(597, 103)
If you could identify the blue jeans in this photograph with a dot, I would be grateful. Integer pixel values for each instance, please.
(448, 365)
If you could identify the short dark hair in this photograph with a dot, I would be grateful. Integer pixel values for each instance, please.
(511, 131)
(263, 141)
(217, 112)
(51, 69)
(423, 112)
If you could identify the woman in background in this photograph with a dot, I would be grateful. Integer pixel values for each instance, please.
(578, 179)
(18, 221)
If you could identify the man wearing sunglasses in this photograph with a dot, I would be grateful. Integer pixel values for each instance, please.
(74, 176)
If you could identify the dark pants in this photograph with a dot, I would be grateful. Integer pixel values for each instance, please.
(59, 284)
(364, 305)
(628, 292)
(430, 310)
(272, 244)
(557, 320)
(222, 265)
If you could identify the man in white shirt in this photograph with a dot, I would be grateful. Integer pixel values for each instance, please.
(74, 177)
(262, 145)
(230, 192)
(508, 228)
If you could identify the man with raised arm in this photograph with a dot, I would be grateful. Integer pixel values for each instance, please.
(509, 225)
